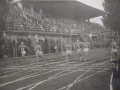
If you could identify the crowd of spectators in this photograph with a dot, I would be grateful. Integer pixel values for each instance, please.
(9, 45)
(27, 19)
(31, 21)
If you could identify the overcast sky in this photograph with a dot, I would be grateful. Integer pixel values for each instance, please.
(97, 4)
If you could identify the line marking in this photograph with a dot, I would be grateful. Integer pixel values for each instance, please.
(28, 69)
(74, 67)
(16, 73)
(52, 63)
(99, 64)
(111, 86)
(38, 83)
(46, 80)
(23, 78)
(77, 79)
(5, 76)
(8, 71)
(85, 78)
(55, 62)
(80, 77)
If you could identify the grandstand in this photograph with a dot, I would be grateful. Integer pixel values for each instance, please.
(55, 22)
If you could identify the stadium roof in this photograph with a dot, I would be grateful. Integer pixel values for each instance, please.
(66, 8)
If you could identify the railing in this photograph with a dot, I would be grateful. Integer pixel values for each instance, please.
(11, 26)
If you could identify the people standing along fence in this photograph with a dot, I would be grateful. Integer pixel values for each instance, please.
(10, 44)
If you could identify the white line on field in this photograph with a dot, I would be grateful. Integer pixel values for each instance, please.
(85, 78)
(77, 79)
(26, 69)
(22, 78)
(31, 76)
(53, 62)
(36, 84)
(49, 79)
(111, 86)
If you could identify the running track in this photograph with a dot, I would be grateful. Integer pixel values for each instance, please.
(58, 74)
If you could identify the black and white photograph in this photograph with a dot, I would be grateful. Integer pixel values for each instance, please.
(59, 44)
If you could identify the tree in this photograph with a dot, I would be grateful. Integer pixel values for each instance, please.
(112, 19)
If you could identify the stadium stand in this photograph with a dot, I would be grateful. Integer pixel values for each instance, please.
(27, 20)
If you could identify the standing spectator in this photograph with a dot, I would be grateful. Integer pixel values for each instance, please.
(4, 51)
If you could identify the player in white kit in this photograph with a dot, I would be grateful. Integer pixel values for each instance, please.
(38, 51)
(68, 51)
(86, 47)
(22, 48)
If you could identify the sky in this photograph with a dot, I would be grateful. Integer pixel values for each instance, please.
(96, 4)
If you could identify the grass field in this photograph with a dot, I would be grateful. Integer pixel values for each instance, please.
(57, 74)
